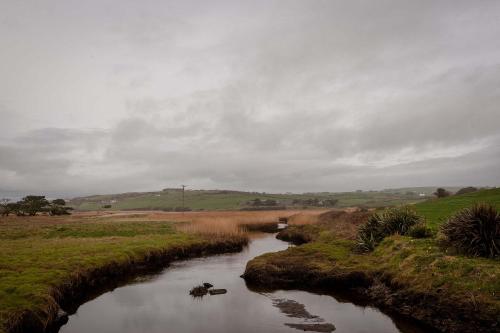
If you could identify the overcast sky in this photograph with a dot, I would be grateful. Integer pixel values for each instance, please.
(112, 96)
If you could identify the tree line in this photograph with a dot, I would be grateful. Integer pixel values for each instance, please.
(32, 204)
(443, 193)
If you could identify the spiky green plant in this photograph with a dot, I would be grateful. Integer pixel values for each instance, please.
(370, 233)
(420, 231)
(399, 220)
(391, 221)
(474, 231)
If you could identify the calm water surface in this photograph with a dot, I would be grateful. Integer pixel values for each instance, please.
(162, 303)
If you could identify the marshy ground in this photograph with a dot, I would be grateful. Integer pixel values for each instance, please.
(42, 258)
(413, 277)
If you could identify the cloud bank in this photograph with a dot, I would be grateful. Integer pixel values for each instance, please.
(108, 96)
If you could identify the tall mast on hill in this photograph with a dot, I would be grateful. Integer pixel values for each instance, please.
(183, 209)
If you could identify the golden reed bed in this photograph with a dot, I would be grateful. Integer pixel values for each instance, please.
(215, 222)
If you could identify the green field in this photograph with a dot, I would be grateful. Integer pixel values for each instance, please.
(436, 211)
(233, 200)
(460, 285)
(39, 254)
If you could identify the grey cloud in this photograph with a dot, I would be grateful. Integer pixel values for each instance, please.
(260, 95)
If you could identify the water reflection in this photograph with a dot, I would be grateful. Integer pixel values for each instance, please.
(161, 303)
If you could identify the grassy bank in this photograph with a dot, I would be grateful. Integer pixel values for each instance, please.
(43, 258)
(413, 277)
(436, 211)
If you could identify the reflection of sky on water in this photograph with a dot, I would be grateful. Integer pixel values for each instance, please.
(163, 304)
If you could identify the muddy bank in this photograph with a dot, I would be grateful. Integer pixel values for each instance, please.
(268, 227)
(446, 314)
(84, 286)
(298, 235)
(342, 224)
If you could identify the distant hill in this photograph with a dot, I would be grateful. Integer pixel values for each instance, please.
(436, 211)
(171, 199)
(427, 190)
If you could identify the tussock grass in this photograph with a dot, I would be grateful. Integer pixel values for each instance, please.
(474, 231)
(396, 220)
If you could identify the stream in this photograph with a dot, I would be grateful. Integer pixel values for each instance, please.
(161, 303)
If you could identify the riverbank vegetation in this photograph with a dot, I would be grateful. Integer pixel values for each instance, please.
(240, 222)
(417, 277)
(48, 261)
(44, 259)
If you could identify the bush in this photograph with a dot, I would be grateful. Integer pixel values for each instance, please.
(466, 190)
(370, 233)
(474, 231)
(399, 220)
(420, 231)
(389, 222)
(442, 193)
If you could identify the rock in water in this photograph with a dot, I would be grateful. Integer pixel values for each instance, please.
(198, 291)
(217, 291)
(207, 285)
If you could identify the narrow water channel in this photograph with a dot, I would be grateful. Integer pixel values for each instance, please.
(161, 303)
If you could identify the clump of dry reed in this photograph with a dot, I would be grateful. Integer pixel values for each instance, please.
(236, 222)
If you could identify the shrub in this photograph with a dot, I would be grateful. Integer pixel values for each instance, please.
(420, 231)
(474, 231)
(370, 233)
(389, 222)
(399, 220)
(466, 190)
(442, 193)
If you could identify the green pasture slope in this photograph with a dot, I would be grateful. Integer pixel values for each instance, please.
(436, 211)
(229, 200)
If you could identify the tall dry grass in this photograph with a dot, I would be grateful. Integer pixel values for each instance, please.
(234, 222)
(216, 223)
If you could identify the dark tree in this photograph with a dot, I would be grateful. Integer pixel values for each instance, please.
(58, 207)
(256, 202)
(33, 204)
(465, 190)
(15, 208)
(330, 202)
(4, 207)
(269, 202)
(59, 202)
(442, 193)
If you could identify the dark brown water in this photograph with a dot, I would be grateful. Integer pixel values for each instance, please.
(162, 303)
